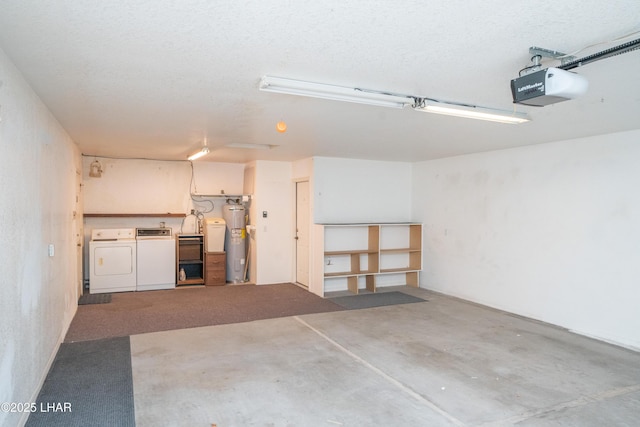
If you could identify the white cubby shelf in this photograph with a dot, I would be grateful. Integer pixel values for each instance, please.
(367, 256)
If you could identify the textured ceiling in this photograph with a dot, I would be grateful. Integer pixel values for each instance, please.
(153, 78)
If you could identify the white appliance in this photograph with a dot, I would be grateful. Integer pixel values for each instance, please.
(214, 231)
(112, 260)
(156, 259)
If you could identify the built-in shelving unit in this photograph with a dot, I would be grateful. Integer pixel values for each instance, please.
(401, 250)
(190, 258)
(365, 256)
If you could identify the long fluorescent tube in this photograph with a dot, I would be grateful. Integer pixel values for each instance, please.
(194, 156)
(250, 146)
(473, 112)
(388, 99)
(336, 93)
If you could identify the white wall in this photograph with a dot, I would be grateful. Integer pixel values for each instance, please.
(550, 231)
(249, 189)
(302, 169)
(156, 186)
(38, 164)
(350, 190)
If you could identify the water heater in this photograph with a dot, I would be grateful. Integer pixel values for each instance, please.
(235, 241)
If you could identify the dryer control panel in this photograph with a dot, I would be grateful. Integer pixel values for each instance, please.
(106, 234)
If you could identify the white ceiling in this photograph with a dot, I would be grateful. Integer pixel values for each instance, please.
(152, 78)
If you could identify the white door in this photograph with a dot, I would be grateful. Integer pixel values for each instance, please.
(302, 233)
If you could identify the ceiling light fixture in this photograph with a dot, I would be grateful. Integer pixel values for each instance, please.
(389, 99)
(202, 152)
(251, 146)
(197, 155)
(335, 93)
(471, 112)
(281, 127)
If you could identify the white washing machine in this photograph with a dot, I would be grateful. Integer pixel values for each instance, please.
(112, 260)
(156, 262)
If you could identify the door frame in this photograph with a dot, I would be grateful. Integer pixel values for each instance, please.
(295, 231)
(78, 231)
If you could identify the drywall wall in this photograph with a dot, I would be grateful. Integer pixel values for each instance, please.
(350, 190)
(218, 178)
(549, 231)
(39, 174)
(249, 189)
(137, 186)
(274, 233)
(156, 186)
(302, 169)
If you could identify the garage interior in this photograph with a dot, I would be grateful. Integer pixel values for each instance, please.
(518, 240)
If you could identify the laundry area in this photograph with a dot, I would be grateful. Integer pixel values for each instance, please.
(156, 259)
(183, 239)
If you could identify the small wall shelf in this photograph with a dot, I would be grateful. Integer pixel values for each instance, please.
(226, 196)
(134, 215)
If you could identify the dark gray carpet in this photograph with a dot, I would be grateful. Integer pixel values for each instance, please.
(94, 379)
(94, 299)
(133, 313)
(355, 302)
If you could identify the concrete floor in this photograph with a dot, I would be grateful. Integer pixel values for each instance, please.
(438, 363)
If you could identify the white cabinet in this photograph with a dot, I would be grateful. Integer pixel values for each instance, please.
(367, 256)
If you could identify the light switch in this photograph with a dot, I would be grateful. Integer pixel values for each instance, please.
(52, 250)
(264, 214)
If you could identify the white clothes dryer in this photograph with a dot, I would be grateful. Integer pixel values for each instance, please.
(112, 260)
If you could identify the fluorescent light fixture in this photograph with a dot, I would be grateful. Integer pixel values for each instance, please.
(388, 99)
(250, 146)
(472, 112)
(335, 93)
(202, 152)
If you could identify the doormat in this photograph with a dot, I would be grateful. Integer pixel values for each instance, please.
(94, 299)
(355, 302)
(90, 383)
